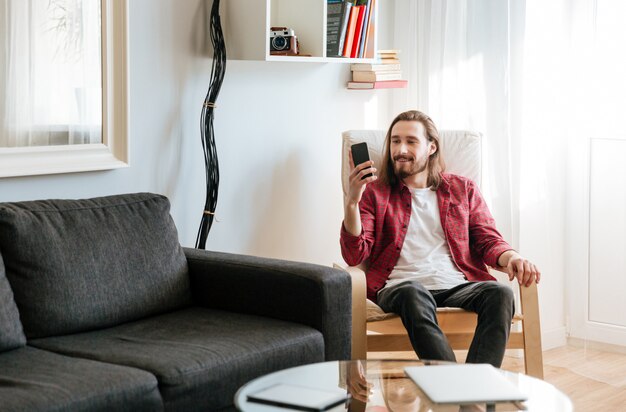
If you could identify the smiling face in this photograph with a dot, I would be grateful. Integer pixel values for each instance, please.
(411, 152)
(410, 149)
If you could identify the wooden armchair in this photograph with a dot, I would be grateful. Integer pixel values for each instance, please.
(374, 331)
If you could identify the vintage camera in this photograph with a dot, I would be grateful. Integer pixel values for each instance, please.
(283, 41)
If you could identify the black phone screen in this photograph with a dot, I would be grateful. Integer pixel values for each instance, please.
(360, 155)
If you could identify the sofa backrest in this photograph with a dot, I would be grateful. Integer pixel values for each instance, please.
(11, 333)
(77, 265)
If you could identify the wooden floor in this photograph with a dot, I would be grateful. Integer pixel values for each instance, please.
(594, 380)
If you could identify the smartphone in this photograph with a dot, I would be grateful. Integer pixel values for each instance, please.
(360, 154)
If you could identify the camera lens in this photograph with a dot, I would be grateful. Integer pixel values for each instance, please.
(279, 43)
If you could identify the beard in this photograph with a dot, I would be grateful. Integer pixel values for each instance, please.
(410, 168)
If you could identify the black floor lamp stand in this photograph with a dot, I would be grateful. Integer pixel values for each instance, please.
(211, 164)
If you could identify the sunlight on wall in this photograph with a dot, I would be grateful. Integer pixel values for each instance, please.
(571, 94)
(609, 69)
(546, 106)
(370, 113)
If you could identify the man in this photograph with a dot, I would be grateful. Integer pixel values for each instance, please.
(429, 238)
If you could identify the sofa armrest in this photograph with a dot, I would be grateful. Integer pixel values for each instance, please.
(314, 295)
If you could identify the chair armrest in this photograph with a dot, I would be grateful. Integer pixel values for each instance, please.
(529, 300)
(359, 311)
(314, 295)
(533, 357)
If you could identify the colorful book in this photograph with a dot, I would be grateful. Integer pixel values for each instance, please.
(372, 76)
(347, 46)
(389, 84)
(374, 67)
(367, 4)
(357, 32)
(371, 24)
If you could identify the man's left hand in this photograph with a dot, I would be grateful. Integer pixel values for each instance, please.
(517, 267)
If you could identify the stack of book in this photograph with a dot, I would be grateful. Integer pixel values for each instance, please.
(383, 74)
(349, 27)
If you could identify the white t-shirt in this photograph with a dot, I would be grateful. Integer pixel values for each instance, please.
(425, 255)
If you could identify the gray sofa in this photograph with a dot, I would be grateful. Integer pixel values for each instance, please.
(102, 309)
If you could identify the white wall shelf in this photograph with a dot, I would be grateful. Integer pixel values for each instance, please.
(247, 28)
(313, 59)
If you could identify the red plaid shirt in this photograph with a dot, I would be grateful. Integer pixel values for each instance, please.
(385, 211)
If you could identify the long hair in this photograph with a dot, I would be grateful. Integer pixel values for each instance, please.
(436, 165)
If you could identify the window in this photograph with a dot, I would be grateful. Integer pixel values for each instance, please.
(63, 86)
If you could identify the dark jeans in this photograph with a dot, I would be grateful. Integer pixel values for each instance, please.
(492, 301)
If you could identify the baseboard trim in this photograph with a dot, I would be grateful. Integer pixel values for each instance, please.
(605, 347)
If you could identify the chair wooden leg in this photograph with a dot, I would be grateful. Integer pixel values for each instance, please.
(359, 342)
(359, 313)
(533, 357)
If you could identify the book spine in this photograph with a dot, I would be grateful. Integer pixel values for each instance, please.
(345, 17)
(347, 47)
(360, 85)
(357, 32)
(364, 29)
(371, 21)
(387, 84)
(365, 67)
(390, 84)
(333, 23)
(375, 76)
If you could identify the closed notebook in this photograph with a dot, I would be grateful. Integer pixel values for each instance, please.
(464, 384)
(374, 76)
(388, 84)
(299, 397)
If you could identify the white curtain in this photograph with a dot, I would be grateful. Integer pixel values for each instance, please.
(50, 72)
(538, 79)
(530, 75)
(456, 55)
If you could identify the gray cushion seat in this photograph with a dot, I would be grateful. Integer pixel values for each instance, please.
(37, 380)
(200, 356)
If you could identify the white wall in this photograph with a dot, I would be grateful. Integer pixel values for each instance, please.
(278, 131)
(278, 128)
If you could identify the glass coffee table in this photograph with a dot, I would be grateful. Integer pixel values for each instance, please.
(390, 389)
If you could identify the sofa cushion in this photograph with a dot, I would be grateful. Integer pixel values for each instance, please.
(200, 356)
(11, 333)
(76, 265)
(37, 380)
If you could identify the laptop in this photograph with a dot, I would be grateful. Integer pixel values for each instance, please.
(464, 384)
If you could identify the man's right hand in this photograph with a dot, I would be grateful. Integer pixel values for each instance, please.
(357, 184)
(358, 386)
